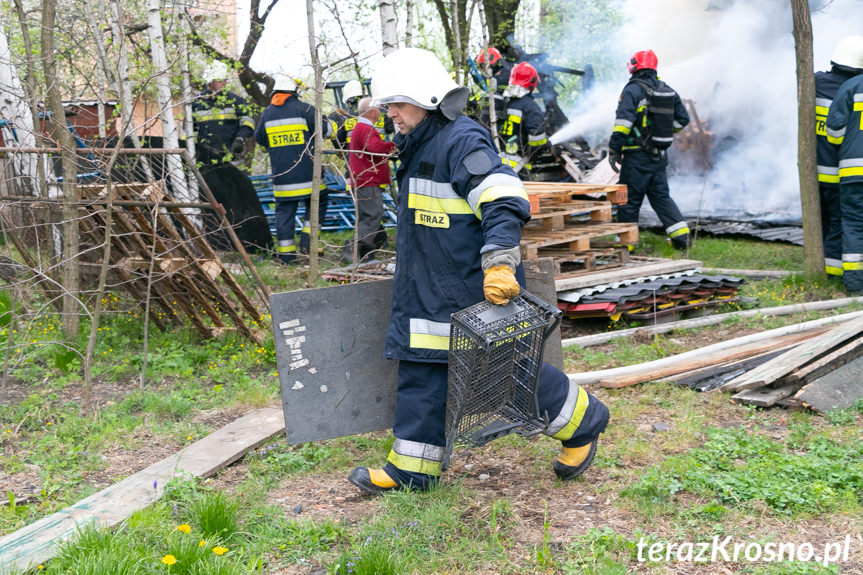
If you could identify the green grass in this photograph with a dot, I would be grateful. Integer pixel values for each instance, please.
(719, 470)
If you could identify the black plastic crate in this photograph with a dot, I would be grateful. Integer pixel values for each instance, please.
(495, 358)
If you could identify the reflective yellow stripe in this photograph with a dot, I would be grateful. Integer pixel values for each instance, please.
(680, 232)
(286, 249)
(428, 341)
(541, 142)
(493, 193)
(623, 130)
(821, 110)
(432, 204)
(833, 140)
(414, 464)
(212, 117)
(852, 266)
(577, 415)
(828, 178)
(295, 193)
(852, 171)
(833, 271)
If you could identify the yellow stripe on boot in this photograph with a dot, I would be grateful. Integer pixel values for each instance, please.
(574, 456)
(380, 478)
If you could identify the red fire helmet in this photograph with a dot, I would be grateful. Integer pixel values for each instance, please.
(524, 75)
(492, 55)
(644, 60)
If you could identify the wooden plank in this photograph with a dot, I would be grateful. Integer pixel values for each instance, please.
(657, 373)
(539, 278)
(37, 542)
(830, 362)
(788, 362)
(638, 269)
(839, 389)
(766, 396)
(614, 193)
(699, 378)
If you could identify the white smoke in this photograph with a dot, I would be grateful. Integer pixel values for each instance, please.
(736, 60)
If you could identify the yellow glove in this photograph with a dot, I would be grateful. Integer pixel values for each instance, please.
(500, 285)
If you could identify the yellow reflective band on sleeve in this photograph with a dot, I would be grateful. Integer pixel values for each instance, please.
(286, 135)
(833, 271)
(828, 178)
(575, 419)
(415, 464)
(849, 172)
(440, 205)
(246, 121)
(623, 130)
(493, 193)
(541, 142)
(680, 232)
(835, 140)
(428, 341)
(852, 266)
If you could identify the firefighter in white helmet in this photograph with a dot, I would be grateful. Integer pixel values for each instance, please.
(460, 214)
(223, 120)
(845, 64)
(844, 128)
(286, 129)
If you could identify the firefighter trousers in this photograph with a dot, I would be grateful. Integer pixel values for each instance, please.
(644, 175)
(286, 213)
(831, 228)
(851, 200)
(577, 418)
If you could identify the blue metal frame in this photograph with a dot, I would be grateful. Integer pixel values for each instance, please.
(341, 214)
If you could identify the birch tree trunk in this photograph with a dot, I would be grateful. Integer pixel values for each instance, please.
(389, 31)
(491, 83)
(813, 246)
(60, 133)
(319, 145)
(458, 53)
(409, 23)
(123, 86)
(21, 133)
(163, 91)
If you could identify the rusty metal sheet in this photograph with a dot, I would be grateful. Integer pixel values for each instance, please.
(329, 352)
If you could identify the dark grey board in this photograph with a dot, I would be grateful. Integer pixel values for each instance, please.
(329, 353)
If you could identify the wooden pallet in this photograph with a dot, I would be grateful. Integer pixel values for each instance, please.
(577, 238)
(614, 193)
(556, 215)
(570, 264)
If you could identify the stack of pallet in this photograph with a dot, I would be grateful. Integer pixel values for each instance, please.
(571, 224)
(822, 372)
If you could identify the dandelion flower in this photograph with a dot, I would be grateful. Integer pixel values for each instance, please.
(169, 559)
(220, 550)
(201, 543)
(185, 528)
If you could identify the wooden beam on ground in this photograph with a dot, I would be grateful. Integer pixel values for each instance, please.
(839, 389)
(703, 360)
(37, 542)
(786, 363)
(766, 396)
(712, 376)
(830, 362)
(589, 377)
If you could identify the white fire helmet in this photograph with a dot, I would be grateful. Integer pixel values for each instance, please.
(849, 52)
(351, 90)
(284, 83)
(215, 70)
(417, 77)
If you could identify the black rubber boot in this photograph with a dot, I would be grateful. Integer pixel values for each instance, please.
(361, 477)
(570, 472)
